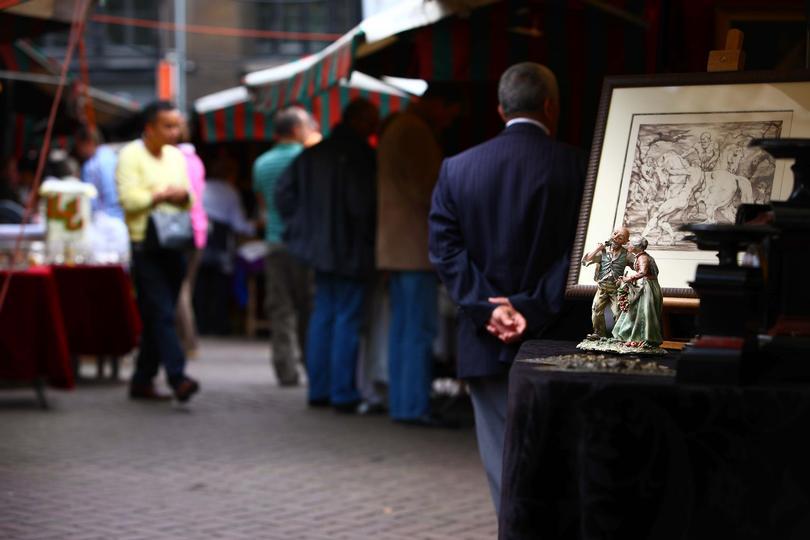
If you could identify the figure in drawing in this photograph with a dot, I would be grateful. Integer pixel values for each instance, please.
(695, 173)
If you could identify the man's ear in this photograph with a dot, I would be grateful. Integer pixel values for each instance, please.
(501, 113)
(551, 110)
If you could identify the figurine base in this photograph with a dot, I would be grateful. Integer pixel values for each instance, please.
(618, 346)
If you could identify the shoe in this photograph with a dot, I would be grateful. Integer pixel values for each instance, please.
(429, 421)
(346, 408)
(185, 389)
(319, 403)
(147, 392)
(366, 408)
(289, 384)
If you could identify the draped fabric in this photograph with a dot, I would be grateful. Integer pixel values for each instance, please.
(33, 340)
(611, 456)
(98, 302)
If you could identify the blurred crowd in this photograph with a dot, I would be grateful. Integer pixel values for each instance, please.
(352, 233)
(336, 227)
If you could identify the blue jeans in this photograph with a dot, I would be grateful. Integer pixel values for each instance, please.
(334, 337)
(414, 324)
(158, 275)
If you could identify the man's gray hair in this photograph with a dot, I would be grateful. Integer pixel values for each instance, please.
(524, 87)
(287, 119)
(639, 242)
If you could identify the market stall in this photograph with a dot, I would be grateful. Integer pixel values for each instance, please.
(30, 80)
(470, 43)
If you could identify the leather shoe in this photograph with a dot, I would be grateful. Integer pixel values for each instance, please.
(147, 392)
(429, 421)
(319, 403)
(346, 408)
(185, 389)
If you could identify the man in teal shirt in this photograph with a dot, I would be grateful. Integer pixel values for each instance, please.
(288, 288)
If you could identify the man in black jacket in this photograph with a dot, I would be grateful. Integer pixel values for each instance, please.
(327, 199)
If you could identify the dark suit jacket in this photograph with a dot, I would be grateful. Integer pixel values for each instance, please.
(502, 223)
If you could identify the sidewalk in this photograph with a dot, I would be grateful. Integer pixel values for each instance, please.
(244, 460)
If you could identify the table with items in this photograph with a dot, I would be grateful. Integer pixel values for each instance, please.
(612, 447)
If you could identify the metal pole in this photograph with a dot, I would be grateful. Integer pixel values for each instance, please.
(180, 52)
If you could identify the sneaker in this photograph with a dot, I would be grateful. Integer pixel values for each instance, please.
(185, 389)
(367, 408)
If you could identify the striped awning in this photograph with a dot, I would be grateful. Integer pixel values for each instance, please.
(23, 64)
(20, 55)
(582, 41)
(57, 10)
(22, 61)
(327, 107)
(230, 115)
(301, 80)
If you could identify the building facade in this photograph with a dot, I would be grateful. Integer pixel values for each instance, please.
(125, 40)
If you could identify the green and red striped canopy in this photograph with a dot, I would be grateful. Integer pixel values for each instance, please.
(232, 116)
(299, 81)
(582, 41)
(302, 80)
(21, 56)
(327, 107)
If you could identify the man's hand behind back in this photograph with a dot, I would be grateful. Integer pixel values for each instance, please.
(506, 323)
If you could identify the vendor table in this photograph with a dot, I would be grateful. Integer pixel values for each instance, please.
(617, 456)
(101, 316)
(33, 342)
(55, 313)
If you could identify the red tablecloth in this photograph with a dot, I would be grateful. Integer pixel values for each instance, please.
(33, 342)
(101, 317)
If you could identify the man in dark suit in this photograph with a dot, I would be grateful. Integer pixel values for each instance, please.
(501, 225)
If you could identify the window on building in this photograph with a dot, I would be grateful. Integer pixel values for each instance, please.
(320, 16)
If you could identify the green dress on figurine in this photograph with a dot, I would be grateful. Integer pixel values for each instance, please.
(640, 309)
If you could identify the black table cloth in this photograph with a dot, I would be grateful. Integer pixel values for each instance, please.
(614, 456)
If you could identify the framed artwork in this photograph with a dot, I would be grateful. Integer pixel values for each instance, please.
(674, 149)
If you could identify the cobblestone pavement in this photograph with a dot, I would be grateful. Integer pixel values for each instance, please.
(244, 460)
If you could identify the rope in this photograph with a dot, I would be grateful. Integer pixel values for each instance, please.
(213, 30)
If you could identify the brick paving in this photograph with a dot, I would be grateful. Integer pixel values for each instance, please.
(245, 459)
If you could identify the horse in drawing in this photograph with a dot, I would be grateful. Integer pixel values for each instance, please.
(723, 184)
(681, 180)
(688, 185)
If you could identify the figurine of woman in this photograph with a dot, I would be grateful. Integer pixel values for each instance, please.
(639, 321)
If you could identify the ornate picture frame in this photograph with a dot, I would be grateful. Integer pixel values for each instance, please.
(673, 149)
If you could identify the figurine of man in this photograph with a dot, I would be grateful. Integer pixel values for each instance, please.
(610, 258)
